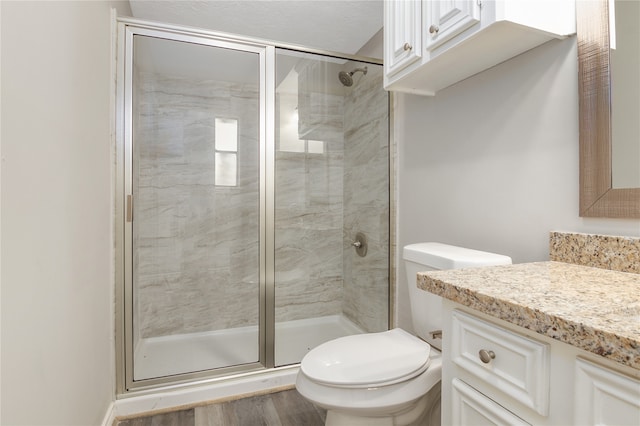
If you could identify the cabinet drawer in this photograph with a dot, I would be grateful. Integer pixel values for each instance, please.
(513, 364)
(470, 407)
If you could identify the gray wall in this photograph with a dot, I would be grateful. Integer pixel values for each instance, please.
(196, 243)
(323, 200)
(491, 163)
(308, 215)
(366, 201)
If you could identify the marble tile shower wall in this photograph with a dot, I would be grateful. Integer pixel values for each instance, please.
(366, 201)
(196, 243)
(309, 216)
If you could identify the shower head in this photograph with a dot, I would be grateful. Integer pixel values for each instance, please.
(346, 78)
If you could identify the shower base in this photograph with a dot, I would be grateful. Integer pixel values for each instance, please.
(170, 355)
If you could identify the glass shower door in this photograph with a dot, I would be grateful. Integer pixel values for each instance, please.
(235, 219)
(195, 184)
(331, 184)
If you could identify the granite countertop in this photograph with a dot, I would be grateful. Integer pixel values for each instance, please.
(594, 309)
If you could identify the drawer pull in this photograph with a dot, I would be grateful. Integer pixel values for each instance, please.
(433, 29)
(486, 356)
(407, 47)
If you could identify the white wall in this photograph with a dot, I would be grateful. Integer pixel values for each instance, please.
(374, 47)
(57, 320)
(491, 163)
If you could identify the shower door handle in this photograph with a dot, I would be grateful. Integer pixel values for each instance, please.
(129, 208)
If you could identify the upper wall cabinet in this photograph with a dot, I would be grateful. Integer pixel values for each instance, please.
(431, 44)
(446, 19)
(403, 40)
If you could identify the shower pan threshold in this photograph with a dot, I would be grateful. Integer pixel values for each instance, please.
(177, 354)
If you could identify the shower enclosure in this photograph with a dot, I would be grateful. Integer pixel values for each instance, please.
(245, 170)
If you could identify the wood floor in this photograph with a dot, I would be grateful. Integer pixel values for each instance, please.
(285, 408)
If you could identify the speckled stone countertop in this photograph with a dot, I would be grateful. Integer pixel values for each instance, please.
(597, 310)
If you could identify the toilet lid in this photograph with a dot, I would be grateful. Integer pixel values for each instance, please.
(367, 359)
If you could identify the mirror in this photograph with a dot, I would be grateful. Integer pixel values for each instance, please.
(599, 197)
(624, 58)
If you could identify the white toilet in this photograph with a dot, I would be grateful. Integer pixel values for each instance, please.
(391, 377)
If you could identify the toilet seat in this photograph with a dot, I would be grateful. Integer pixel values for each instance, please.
(367, 360)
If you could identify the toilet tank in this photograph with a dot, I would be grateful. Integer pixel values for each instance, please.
(426, 308)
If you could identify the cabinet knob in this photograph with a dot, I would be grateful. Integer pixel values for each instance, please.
(433, 29)
(407, 46)
(486, 356)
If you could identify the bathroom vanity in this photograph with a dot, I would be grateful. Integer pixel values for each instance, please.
(542, 343)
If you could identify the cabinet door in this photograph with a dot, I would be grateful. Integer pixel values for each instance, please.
(444, 19)
(470, 407)
(402, 36)
(605, 397)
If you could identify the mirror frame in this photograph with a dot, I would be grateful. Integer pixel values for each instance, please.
(598, 198)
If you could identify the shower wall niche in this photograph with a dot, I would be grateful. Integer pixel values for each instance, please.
(237, 247)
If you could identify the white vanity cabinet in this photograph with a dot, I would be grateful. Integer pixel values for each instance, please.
(605, 397)
(432, 44)
(512, 364)
(498, 373)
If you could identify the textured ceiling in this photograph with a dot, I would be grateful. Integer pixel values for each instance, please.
(339, 26)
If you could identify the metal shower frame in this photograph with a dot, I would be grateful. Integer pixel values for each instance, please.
(127, 28)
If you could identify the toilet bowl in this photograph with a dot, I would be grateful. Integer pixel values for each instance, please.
(372, 379)
(389, 378)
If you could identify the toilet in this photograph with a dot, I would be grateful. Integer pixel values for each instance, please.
(391, 377)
